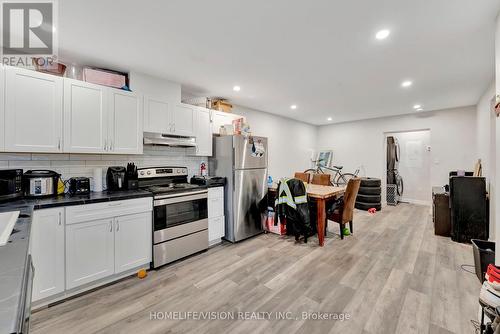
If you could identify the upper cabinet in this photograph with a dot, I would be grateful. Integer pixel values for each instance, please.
(2, 107)
(33, 111)
(203, 132)
(125, 122)
(183, 119)
(157, 115)
(220, 118)
(85, 117)
(100, 119)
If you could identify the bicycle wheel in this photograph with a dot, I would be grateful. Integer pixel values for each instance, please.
(343, 179)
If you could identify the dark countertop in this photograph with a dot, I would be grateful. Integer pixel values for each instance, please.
(14, 255)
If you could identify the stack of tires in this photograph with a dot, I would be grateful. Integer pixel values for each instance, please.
(369, 194)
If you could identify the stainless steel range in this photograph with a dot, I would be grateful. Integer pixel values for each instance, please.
(180, 222)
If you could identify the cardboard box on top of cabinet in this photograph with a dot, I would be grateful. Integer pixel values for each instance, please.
(222, 105)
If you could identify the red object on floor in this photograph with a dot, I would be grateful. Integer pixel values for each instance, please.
(372, 210)
(493, 276)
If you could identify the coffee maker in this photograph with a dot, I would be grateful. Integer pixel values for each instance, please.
(115, 178)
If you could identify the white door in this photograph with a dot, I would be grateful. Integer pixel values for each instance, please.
(85, 117)
(89, 252)
(184, 119)
(125, 122)
(132, 241)
(33, 111)
(203, 133)
(157, 115)
(47, 250)
(2, 107)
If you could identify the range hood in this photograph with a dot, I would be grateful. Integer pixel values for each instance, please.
(152, 138)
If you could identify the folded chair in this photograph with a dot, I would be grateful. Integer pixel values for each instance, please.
(342, 210)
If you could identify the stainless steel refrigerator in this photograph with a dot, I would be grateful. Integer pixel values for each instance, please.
(243, 161)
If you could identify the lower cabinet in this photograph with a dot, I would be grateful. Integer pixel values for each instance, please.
(216, 220)
(130, 240)
(89, 252)
(47, 251)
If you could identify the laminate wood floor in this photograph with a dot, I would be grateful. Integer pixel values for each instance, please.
(391, 276)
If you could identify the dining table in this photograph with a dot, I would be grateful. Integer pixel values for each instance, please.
(320, 194)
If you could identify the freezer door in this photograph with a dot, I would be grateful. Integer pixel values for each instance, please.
(250, 152)
(248, 194)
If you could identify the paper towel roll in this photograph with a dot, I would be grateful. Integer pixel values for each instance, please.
(97, 179)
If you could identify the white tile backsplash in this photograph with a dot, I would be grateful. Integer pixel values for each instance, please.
(70, 165)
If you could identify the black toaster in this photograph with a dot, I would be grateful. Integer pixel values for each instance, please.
(79, 186)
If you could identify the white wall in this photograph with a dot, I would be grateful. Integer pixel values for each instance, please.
(361, 144)
(496, 201)
(486, 146)
(291, 143)
(154, 86)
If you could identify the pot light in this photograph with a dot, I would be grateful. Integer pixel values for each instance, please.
(420, 109)
(417, 106)
(382, 34)
(236, 88)
(406, 84)
(329, 119)
(293, 107)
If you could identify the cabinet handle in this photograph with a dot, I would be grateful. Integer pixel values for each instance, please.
(111, 145)
(60, 221)
(117, 225)
(111, 226)
(105, 145)
(59, 143)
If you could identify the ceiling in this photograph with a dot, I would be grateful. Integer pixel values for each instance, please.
(321, 55)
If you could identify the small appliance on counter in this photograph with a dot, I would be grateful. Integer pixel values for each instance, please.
(11, 186)
(40, 183)
(115, 178)
(209, 181)
(131, 177)
(79, 186)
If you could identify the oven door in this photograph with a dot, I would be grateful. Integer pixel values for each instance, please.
(180, 209)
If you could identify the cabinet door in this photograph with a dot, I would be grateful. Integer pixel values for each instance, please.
(47, 250)
(184, 119)
(33, 111)
(132, 241)
(216, 230)
(157, 115)
(203, 133)
(125, 122)
(89, 252)
(85, 117)
(215, 202)
(2, 107)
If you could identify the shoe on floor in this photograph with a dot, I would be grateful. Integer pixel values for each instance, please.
(489, 296)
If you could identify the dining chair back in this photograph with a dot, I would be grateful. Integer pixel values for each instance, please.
(321, 179)
(304, 177)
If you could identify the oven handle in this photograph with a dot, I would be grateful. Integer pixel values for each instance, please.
(180, 199)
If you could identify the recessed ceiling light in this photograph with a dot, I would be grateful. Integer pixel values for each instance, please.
(329, 119)
(293, 107)
(417, 106)
(406, 83)
(382, 34)
(420, 109)
(236, 88)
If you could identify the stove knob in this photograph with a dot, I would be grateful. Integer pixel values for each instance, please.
(149, 172)
(142, 173)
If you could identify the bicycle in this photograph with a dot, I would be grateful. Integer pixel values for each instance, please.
(339, 179)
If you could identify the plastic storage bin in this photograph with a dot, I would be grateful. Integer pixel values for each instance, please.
(484, 254)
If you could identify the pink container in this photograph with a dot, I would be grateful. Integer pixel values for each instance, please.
(103, 78)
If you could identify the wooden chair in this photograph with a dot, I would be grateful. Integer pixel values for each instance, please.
(321, 179)
(344, 212)
(302, 176)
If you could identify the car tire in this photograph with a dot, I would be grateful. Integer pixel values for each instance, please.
(370, 182)
(376, 199)
(370, 191)
(365, 206)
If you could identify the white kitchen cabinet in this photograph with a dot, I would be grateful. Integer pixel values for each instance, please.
(89, 252)
(216, 219)
(220, 118)
(132, 241)
(203, 133)
(125, 122)
(85, 117)
(157, 115)
(184, 119)
(47, 251)
(33, 111)
(2, 107)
